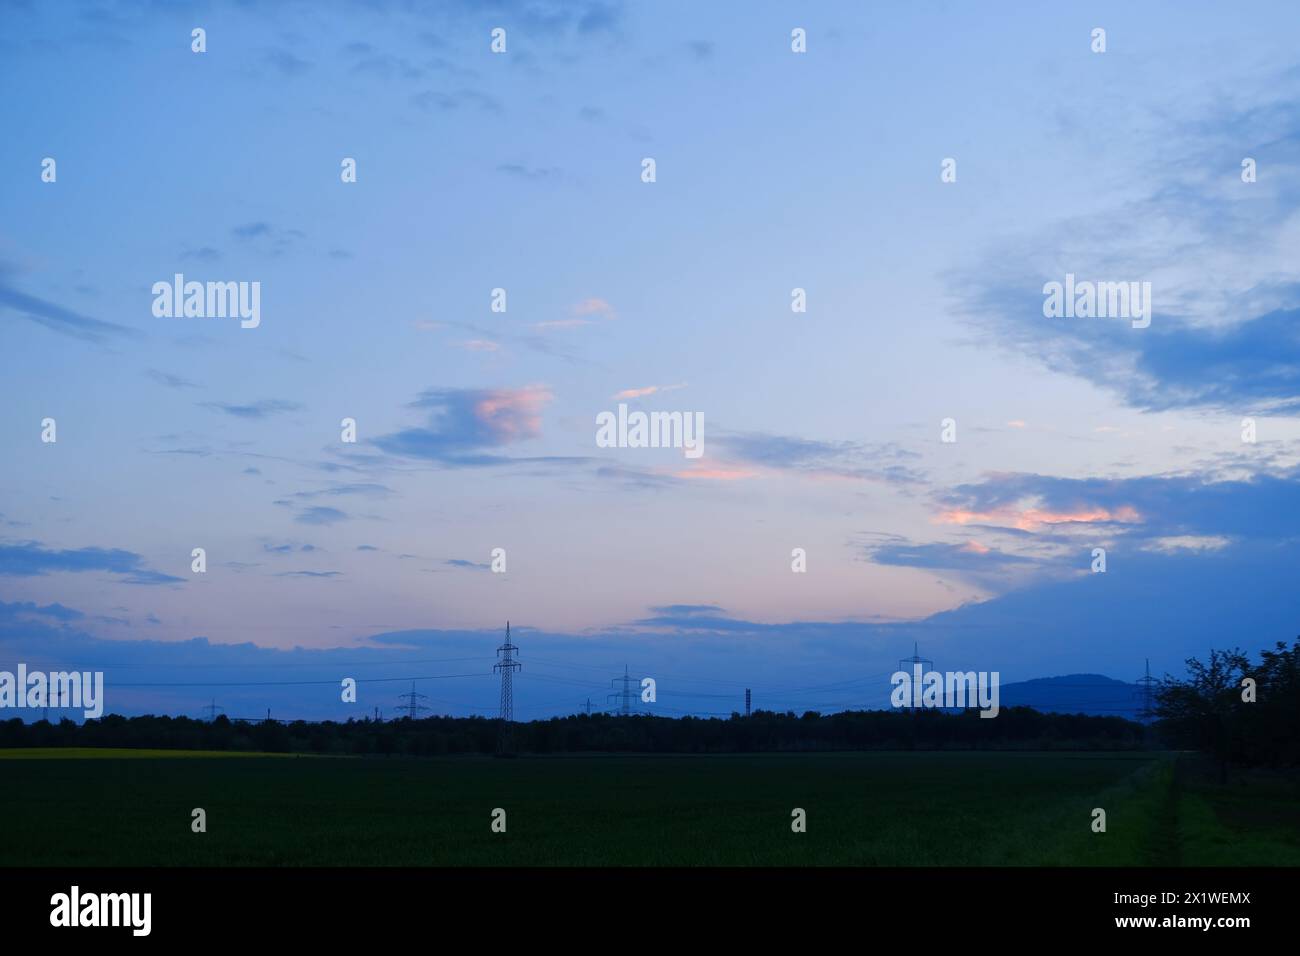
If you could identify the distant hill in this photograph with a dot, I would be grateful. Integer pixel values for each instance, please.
(1090, 694)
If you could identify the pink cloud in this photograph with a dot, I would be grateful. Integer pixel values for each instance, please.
(647, 390)
(594, 306)
(513, 414)
(562, 324)
(1030, 519)
(716, 473)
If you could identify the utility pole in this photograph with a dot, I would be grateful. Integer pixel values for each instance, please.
(212, 709)
(414, 705)
(748, 699)
(588, 706)
(506, 667)
(625, 695)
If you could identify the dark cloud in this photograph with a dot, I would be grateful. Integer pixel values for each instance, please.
(463, 424)
(31, 559)
(943, 556)
(58, 612)
(461, 563)
(686, 609)
(1263, 507)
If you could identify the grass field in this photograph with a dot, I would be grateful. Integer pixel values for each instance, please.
(134, 808)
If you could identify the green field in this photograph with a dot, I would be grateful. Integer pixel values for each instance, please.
(970, 808)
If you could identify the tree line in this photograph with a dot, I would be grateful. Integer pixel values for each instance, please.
(1242, 712)
(1016, 728)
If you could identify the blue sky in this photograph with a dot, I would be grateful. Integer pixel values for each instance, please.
(476, 429)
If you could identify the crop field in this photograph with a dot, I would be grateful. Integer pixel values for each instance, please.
(134, 808)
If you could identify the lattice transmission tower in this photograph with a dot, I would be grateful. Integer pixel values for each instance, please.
(624, 696)
(413, 705)
(506, 667)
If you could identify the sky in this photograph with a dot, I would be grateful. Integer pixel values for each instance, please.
(523, 171)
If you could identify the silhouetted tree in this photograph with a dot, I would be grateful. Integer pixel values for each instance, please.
(1204, 712)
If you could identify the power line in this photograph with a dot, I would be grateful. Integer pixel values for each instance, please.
(294, 683)
(48, 664)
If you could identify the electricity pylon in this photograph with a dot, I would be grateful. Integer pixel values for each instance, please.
(506, 667)
(414, 705)
(624, 696)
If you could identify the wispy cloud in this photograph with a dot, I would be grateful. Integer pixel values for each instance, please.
(256, 410)
(31, 559)
(371, 489)
(169, 380)
(436, 100)
(321, 515)
(629, 393)
(530, 173)
(1225, 323)
(471, 565)
(58, 319)
(594, 306)
(286, 62)
(271, 239)
(840, 460)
